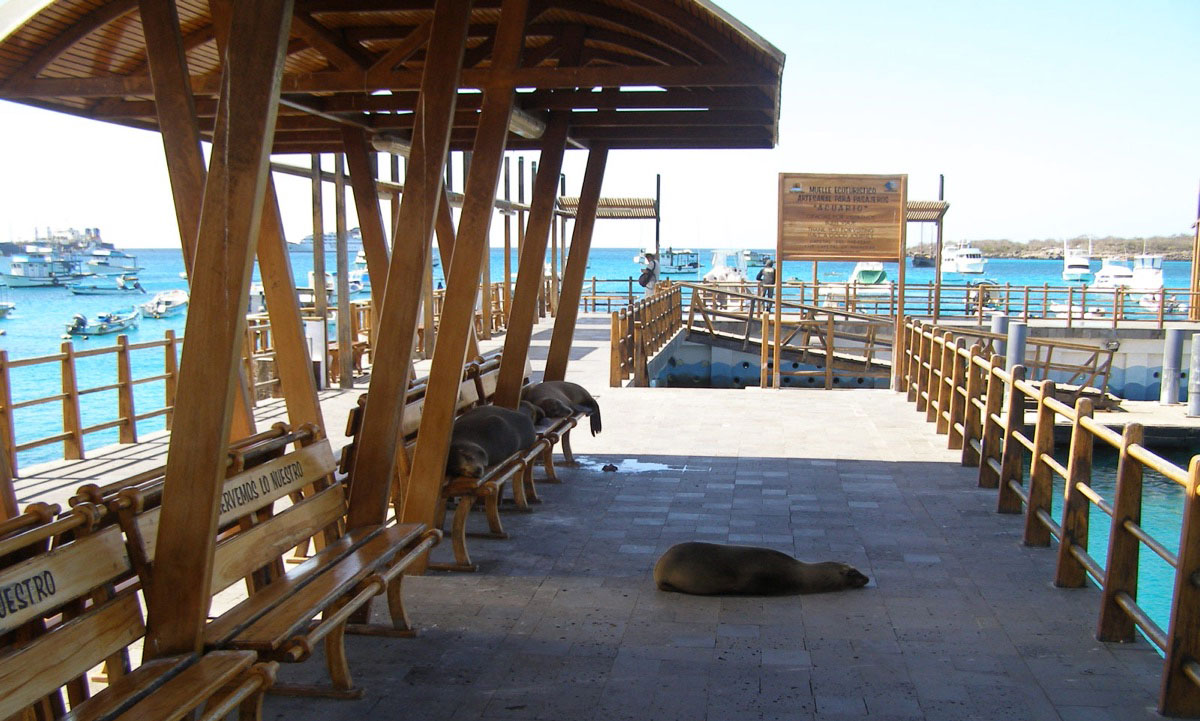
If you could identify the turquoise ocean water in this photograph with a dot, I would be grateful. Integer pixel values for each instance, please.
(37, 325)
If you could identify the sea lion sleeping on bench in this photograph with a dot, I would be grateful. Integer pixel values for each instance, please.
(711, 568)
(485, 436)
(559, 399)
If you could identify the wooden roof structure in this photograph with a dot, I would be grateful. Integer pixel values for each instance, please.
(926, 211)
(613, 208)
(646, 74)
(417, 77)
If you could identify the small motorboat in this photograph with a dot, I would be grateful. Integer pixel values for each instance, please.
(728, 266)
(122, 284)
(1154, 301)
(104, 323)
(1114, 273)
(166, 304)
(1076, 264)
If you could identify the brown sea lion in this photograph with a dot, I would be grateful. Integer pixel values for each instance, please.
(712, 568)
(535, 413)
(559, 399)
(485, 436)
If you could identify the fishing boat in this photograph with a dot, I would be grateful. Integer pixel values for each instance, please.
(728, 266)
(111, 261)
(1113, 273)
(756, 258)
(1076, 263)
(6, 306)
(964, 260)
(678, 262)
(920, 260)
(41, 267)
(1147, 273)
(120, 285)
(868, 279)
(1155, 301)
(166, 304)
(104, 323)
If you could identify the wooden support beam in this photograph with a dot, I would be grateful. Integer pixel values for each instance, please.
(185, 159)
(370, 217)
(400, 53)
(179, 599)
(433, 438)
(292, 361)
(327, 42)
(446, 236)
(380, 434)
(345, 339)
(576, 266)
(529, 266)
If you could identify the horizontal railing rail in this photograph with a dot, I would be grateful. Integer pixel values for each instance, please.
(981, 407)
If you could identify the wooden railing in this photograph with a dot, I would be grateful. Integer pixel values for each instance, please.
(980, 406)
(73, 430)
(640, 330)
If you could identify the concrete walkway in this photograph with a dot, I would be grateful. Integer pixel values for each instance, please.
(562, 621)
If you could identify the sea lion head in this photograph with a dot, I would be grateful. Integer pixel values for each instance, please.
(535, 413)
(852, 577)
(554, 408)
(466, 459)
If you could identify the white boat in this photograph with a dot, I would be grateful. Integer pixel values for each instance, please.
(41, 267)
(165, 304)
(120, 285)
(1077, 312)
(1076, 264)
(356, 281)
(1147, 273)
(964, 260)
(756, 258)
(111, 261)
(728, 266)
(6, 306)
(678, 262)
(1113, 273)
(105, 323)
(1154, 301)
(868, 279)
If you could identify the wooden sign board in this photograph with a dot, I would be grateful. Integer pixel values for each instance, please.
(841, 217)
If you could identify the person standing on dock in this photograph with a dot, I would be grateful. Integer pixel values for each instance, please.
(649, 277)
(766, 282)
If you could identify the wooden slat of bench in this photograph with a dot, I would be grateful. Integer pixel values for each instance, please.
(49, 661)
(291, 618)
(260, 486)
(254, 548)
(228, 624)
(187, 690)
(127, 689)
(48, 580)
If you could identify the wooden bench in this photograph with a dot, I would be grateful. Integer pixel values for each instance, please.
(477, 386)
(338, 581)
(67, 607)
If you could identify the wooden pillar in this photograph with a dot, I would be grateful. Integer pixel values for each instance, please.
(529, 271)
(229, 222)
(433, 437)
(320, 299)
(508, 216)
(366, 202)
(576, 265)
(345, 339)
(185, 161)
(433, 121)
(446, 240)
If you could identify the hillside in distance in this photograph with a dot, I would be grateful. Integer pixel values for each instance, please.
(1172, 247)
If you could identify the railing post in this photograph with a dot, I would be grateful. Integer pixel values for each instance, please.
(1007, 501)
(829, 349)
(1069, 572)
(127, 432)
(934, 371)
(945, 374)
(923, 362)
(171, 371)
(957, 406)
(614, 357)
(990, 440)
(640, 378)
(1121, 567)
(71, 416)
(7, 429)
(912, 329)
(1179, 695)
(1040, 476)
(972, 424)
(764, 328)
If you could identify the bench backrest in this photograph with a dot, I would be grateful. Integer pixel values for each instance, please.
(245, 497)
(61, 580)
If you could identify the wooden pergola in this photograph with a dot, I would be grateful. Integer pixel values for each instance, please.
(355, 76)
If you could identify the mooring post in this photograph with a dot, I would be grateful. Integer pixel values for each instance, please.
(1168, 393)
(1014, 349)
(1000, 327)
(1194, 378)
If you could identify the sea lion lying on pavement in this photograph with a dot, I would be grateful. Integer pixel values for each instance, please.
(559, 399)
(485, 436)
(711, 568)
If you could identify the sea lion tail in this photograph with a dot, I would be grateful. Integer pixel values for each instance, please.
(595, 416)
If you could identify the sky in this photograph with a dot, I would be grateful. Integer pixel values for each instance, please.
(1048, 118)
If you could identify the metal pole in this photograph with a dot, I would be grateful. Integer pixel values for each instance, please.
(1168, 393)
(1194, 379)
(1014, 354)
(657, 210)
(937, 256)
(1000, 327)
